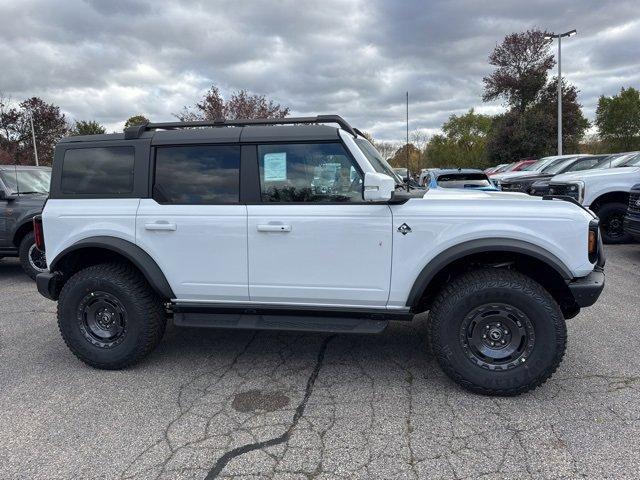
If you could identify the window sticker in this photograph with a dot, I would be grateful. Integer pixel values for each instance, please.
(275, 167)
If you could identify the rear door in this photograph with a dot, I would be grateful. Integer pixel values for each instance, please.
(312, 238)
(194, 226)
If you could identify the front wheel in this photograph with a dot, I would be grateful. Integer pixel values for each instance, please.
(497, 332)
(33, 261)
(612, 223)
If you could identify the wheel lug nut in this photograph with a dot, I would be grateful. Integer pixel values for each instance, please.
(505, 332)
(493, 344)
(498, 325)
(503, 342)
(484, 336)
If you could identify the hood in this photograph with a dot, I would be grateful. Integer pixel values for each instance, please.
(599, 173)
(534, 177)
(476, 194)
(509, 175)
(30, 201)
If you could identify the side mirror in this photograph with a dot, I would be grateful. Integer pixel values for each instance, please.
(378, 187)
(8, 198)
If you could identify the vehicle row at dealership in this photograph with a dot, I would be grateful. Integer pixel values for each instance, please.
(602, 183)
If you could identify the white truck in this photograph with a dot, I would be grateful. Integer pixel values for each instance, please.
(221, 226)
(605, 191)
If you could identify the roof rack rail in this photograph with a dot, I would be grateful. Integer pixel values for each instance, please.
(135, 131)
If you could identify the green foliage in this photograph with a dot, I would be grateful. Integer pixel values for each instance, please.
(533, 132)
(91, 127)
(463, 143)
(618, 120)
(136, 120)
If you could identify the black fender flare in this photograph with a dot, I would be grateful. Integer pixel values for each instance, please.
(464, 249)
(136, 255)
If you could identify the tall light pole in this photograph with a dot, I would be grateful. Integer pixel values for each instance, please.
(559, 36)
(33, 137)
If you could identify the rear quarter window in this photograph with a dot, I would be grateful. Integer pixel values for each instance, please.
(98, 170)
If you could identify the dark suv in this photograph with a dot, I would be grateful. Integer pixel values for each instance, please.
(23, 191)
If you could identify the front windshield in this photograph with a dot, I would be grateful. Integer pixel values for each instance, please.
(557, 167)
(632, 162)
(613, 161)
(28, 181)
(543, 163)
(378, 163)
(529, 167)
(463, 180)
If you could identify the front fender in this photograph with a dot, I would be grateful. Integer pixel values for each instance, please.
(482, 245)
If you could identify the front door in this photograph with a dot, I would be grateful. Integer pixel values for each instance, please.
(312, 239)
(194, 226)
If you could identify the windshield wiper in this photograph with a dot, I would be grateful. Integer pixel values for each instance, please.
(29, 192)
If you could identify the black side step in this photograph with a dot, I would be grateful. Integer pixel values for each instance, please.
(285, 317)
(280, 322)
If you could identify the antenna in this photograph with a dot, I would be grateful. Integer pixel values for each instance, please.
(407, 147)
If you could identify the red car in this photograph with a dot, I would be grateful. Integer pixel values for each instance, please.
(515, 166)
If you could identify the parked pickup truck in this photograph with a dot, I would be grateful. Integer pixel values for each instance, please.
(219, 226)
(605, 191)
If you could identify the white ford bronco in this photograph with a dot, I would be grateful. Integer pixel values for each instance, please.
(261, 225)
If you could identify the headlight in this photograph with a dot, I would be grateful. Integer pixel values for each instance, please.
(578, 187)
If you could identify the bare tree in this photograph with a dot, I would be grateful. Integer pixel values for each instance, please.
(241, 104)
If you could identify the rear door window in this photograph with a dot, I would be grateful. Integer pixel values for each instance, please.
(197, 174)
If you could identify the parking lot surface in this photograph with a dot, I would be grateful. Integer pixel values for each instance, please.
(229, 404)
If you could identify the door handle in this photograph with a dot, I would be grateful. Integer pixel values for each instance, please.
(274, 227)
(161, 226)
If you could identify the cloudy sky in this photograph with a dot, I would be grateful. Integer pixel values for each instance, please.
(109, 59)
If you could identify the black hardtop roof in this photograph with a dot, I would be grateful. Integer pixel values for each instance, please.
(230, 131)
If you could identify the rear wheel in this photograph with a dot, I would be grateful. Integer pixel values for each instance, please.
(612, 223)
(109, 316)
(497, 332)
(33, 261)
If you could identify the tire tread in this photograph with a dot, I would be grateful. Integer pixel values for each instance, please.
(462, 286)
(148, 305)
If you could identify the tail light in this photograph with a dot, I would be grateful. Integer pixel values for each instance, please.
(592, 244)
(38, 232)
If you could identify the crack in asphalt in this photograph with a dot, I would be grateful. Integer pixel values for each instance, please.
(222, 462)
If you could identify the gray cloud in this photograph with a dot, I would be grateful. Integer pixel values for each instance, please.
(108, 60)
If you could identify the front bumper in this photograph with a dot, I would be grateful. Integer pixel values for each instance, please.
(48, 284)
(586, 290)
(632, 225)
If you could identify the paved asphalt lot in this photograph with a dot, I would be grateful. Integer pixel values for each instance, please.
(220, 404)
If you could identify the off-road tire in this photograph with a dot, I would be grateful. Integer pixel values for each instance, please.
(26, 243)
(475, 289)
(605, 213)
(145, 315)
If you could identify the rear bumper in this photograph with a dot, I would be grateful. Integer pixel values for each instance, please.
(586, 290)
(48, 284)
